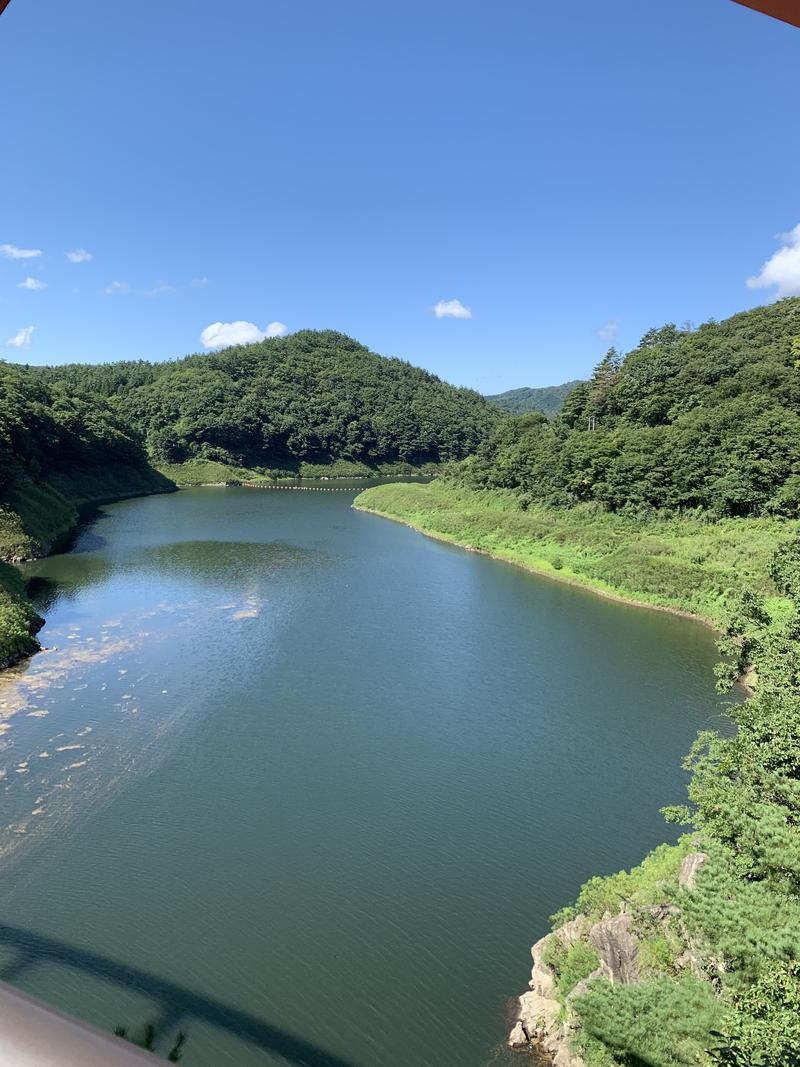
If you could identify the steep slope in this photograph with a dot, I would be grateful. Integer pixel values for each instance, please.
(59, 450)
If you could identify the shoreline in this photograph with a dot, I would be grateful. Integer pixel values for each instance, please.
(578, 583)
(63, 541)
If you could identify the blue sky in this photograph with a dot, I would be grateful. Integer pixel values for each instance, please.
(560, 170)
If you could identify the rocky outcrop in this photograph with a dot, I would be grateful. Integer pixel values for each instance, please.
(546, 1022)
(541, 1023)
(617, 946)
(691, 866)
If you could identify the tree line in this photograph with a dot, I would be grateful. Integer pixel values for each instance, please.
(315, 395)
(706, 419)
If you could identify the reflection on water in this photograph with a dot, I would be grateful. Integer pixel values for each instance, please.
(85, 667)
(308, 784)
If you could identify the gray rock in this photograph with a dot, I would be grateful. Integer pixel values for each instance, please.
(542, 978)
(693, 863)
(617, 947)
(572, 931)
(518, 1038)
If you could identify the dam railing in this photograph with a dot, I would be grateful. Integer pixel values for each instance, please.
(32, 1034)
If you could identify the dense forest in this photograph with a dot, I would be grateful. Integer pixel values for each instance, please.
(46, 427)
(316, 396)
(708, 419)
(547, 400)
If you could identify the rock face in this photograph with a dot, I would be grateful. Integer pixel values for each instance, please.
(546, 1024)
(542, 1024)
(538, 1025)
(617, 947)
(690, 867)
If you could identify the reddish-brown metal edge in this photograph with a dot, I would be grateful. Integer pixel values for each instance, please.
(785, 10)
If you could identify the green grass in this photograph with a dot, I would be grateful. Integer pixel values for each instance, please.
(691, 563)
(208, 472)
(571, 964)
(642, 885)
(211, 472)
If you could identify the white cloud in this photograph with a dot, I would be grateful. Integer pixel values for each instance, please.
(117, 287)
(22, 338)
(782, 269)
(12, 252)
(32, 283)
(608, 331)
(79, 255)
(451, 309)
(276, 329)
(162, 289)
(221, 334)
(199, 283)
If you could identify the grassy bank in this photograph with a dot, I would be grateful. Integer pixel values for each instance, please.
(688, 564)
(211, 472)
(39, 514)
(36, 516)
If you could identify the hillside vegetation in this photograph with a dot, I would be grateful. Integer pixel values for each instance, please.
(547, 400)
(709, 420)
(694, 957)
(314, 404)
(312, 397)
(59, 450)
(673, 477)
(690, 563)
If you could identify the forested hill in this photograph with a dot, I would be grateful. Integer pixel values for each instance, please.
(60, 449)
(547, 400)
(708, 419)
(318, 396)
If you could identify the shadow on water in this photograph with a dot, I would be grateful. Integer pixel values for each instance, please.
(175, 1006)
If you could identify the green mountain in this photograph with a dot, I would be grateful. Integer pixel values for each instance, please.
(314, 396)
(547, 400)
(708, 419)
(313, 402)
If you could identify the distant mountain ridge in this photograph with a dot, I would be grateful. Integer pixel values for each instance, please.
(548, 400)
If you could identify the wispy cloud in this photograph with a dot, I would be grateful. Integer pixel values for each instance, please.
(782, 270)
(22, 338)
(117, 288)
(451, 309)
(12, 252)
(32, 283)
(79, 255)
(608, 331)
(162, 289)
(221, 334)
(199, 283)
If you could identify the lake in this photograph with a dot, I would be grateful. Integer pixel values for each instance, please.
(307, 784)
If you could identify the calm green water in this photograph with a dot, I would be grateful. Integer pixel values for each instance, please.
(308, 784)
